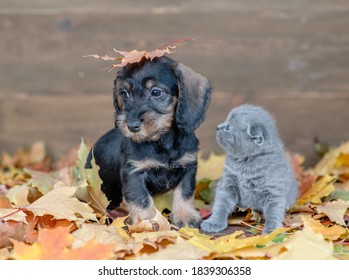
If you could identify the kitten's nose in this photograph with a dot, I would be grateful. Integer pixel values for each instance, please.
(220, 126)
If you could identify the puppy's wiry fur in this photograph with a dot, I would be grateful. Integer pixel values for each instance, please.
(256, 174)
(158, 104)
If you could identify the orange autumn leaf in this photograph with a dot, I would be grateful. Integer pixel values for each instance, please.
(55, 244)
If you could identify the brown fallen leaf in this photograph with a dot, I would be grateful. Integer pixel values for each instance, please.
(135, 56)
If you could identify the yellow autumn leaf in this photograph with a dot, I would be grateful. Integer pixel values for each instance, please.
(5, 254)
(227, 243)
(330, 233)
(119, 224)
(156, 236)
(321, 188)
(342, 161)
(187, 233)
(210, 168)
(306, 245)
(330, 160)
(181, 250)
(230, 242)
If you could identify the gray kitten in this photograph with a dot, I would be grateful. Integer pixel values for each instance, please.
(257, 174)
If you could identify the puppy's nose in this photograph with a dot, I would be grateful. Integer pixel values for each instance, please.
(134, 125)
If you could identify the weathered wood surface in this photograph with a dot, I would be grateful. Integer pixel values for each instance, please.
(290, 56)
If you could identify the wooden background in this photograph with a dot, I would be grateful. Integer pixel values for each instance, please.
(292, 57)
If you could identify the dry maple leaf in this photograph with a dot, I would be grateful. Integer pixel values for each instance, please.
(11, 214)
(101, 234)
(335, 210)
(330, 233)
(305, 245)
(181, 250)
(35, 156)
(135, 56)
(321, 188)
(157, 223)
(18, 195)
(55, 244)
(61, 204)
(329, 162)
(90, 183)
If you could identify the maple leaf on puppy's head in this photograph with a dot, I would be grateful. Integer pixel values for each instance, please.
(136, 56)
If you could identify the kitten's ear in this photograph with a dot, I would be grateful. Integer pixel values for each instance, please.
(257, 133)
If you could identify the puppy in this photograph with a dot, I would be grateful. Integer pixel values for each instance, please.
(158, 104)
(256, 174)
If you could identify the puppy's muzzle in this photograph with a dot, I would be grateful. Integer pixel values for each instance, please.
(134, 125)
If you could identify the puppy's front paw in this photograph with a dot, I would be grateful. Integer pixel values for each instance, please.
(192, 220)
(213, 226)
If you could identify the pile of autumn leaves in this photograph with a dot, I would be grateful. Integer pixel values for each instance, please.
(57, 211)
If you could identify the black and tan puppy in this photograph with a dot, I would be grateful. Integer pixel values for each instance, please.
(159, 104)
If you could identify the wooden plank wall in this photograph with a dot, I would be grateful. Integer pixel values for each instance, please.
(291, 57)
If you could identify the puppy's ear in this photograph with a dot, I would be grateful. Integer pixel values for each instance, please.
(117, 102)
(194, 97)
(257, 133)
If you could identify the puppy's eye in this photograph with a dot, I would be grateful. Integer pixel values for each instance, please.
(124, 94)
(156, 92)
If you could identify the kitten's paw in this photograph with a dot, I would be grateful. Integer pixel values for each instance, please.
(212, 226)
(270, 227)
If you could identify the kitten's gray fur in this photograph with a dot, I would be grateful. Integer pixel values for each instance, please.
(257, 174)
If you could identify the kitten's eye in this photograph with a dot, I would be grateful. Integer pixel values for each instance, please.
(156, 92)
(227, 127)
(124, 94)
